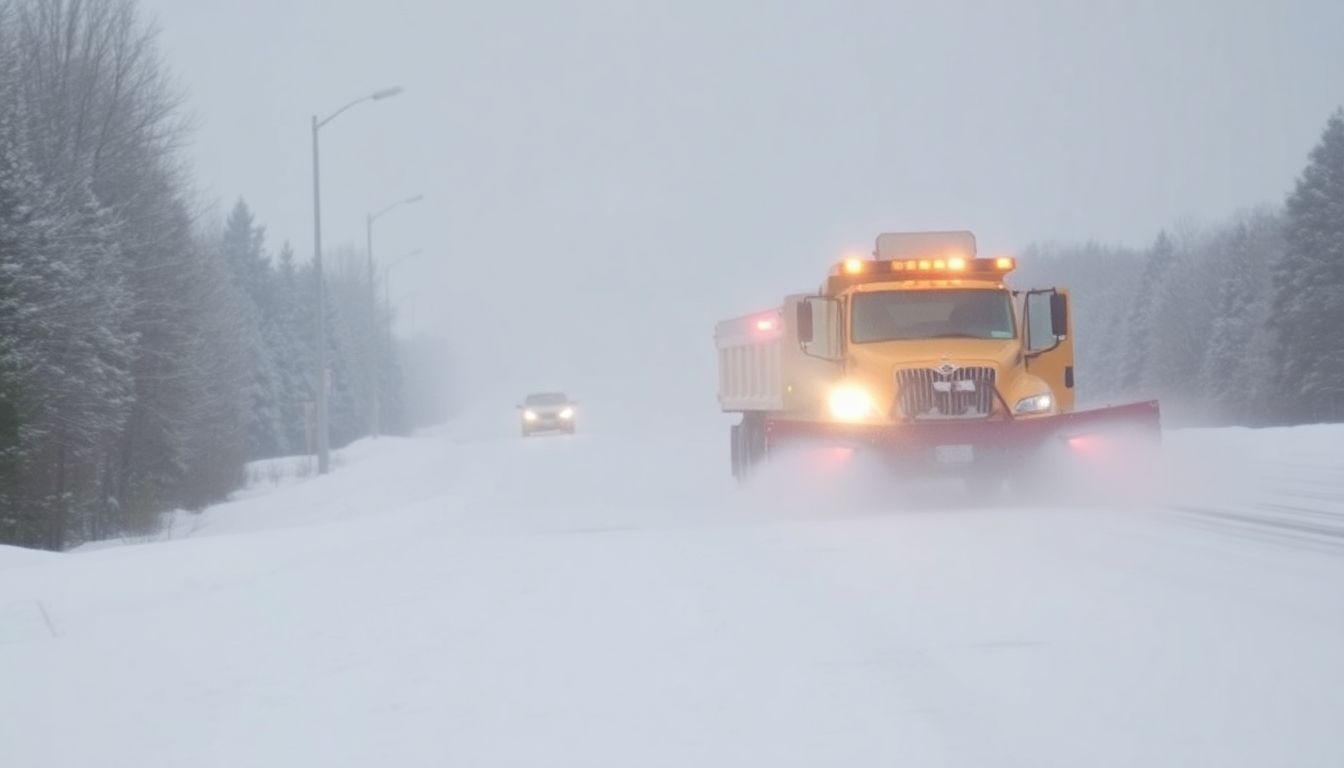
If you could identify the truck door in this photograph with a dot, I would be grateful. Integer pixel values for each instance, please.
(1049, 342)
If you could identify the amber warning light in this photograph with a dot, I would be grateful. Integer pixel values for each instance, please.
(958, 264)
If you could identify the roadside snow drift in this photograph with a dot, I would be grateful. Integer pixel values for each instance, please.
(469, 598)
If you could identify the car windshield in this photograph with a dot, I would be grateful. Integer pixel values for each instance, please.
(547, 398)
(937, 314)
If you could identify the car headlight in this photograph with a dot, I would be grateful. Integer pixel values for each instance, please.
(1034, 404)
(567, 414)
(850, 402)
(529, 415)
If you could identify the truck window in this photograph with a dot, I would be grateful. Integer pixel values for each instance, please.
(1040, 335)
(934, 314)
(826, 329)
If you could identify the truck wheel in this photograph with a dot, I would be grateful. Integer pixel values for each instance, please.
(735, 450)
(754, 440)
(748, 445)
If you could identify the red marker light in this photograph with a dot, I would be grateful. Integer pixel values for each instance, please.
(837, 455)
(1086, 444)
(765, 324)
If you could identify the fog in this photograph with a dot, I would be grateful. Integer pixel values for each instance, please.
(604, 180)
(909, 547)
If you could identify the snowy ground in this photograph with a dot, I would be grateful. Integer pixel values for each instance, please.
(468, 598)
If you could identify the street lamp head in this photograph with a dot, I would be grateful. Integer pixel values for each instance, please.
(387, 93)
(415, 199)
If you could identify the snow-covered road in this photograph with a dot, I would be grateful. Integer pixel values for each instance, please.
(466, 598)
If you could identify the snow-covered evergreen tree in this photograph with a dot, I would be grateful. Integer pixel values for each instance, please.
(141, 363)
(221, 374)
(242, 253)
(68, 344)
(1309, 286)
(1182, 314)
(1135, 375)
(1234, 373)
(289, 337)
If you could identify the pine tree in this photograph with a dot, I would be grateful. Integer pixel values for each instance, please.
(1182, 314)
(1309, 286)
(66, 346)
(289, 338)
(1233, 374)
(11, 523)
(69, 353)
(106, 125)
(1135, 375)
(224, 347)
(249, 269)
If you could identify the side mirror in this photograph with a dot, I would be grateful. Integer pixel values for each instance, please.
(805, 330)
(1059, 315)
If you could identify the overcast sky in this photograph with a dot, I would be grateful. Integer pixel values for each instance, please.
(600, 176)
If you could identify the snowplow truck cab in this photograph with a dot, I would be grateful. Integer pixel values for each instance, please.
(922, 352)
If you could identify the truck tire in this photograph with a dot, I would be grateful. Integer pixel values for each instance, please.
(747, 444)
(735, 450)
(754, 425)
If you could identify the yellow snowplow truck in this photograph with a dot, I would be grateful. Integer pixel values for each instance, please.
(921, 353)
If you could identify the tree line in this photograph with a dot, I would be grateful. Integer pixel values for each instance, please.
(145, 355)
(1241, 323)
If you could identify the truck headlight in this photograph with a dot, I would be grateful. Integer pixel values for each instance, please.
(567, 414)
(849, 402)
(529, 415)
(1034, 404)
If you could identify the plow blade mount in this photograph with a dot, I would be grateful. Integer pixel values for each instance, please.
(954, 442)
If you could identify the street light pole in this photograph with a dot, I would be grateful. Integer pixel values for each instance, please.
(322, 438)
(375, 414)
(373, 333)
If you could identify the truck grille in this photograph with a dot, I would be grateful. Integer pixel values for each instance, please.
(925, 393)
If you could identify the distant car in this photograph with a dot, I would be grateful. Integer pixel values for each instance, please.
(548, 412)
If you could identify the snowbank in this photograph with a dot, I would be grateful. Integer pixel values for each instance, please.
(466, 597)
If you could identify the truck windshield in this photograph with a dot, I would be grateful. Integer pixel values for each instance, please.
(937, 314)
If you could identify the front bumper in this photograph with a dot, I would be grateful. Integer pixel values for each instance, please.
(548, 424)
(952, 443)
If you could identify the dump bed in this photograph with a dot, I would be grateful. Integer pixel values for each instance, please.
(751, 354)
(762, 367)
